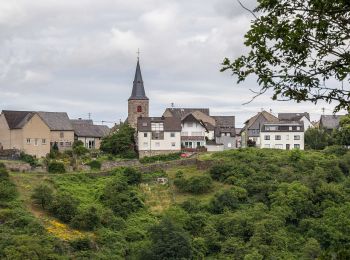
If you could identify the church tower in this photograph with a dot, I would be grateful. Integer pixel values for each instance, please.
(138, 103)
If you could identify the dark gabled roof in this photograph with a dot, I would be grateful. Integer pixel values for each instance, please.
(293, 116)
(192, 118)
(330, 121)
(56, 121)
(269, 118)
(182, 112)
(89, 130)
(138, 90)
(171, 124)
(225, 121)
(17, 119)
(82, 121)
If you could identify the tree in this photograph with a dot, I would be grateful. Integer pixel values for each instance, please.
(298, 49)
(64, 206)
(43, 195)
(342, 135)
(121, 142)
(169, 241)
(228, 199)
(317, 139)
(134, 177)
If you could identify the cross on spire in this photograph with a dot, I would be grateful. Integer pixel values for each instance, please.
(138, 54)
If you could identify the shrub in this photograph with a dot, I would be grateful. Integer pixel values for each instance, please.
(95, 165)
(28, 159)
(64, 207)
(3, 173)
(43, 195)
(87, 219)
(81, 244)
(79, 148)
(7, 190)
(228, 199)
(162, 157)
(217, 171)
(195, 184)
(56, 167)
(336, 150)
(134, 177)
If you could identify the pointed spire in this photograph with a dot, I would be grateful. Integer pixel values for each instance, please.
(138, 90)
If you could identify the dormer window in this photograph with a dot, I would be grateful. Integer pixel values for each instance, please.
(139, 109)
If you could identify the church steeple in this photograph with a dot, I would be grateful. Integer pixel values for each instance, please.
(138, 90)
(138, 103)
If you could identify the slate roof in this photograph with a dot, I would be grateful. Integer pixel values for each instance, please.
(138, 90)
(56, 121)
(269, 117)
(225, 124)
(82, 121)
(293, 116)
(182, 112)
(171, 124)
(17, 119)
(89, 130)
(330, 121)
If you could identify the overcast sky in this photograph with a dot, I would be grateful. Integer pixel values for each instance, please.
(80, 57)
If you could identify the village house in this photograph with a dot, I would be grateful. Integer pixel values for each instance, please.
(158, 135)
(251, 130)
(284, 135)
(193, 132)
(91, 135)
(329, 122)
(304, 117)
(35, 132)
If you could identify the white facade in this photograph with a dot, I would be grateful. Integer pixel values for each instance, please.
(282, 140)
(193, 134)
(170, 142)
(307, 123)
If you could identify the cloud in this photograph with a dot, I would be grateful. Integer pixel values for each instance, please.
(80, 56)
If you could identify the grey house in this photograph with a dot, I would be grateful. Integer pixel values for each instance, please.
(225, 132)
(330, 122)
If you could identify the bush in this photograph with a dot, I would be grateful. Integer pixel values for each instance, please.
(162, 157)
(217, 171)
(43, 196)
(195, 184)
(336, 150)
(56, 167)
(7, 190)
(228, 199)
(3, 173)
(79, 148)
(87, 219)
(134, 177)
(64, 207)
(29, 159)
(95, 165)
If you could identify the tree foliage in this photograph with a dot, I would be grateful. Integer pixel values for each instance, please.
(120, 143)
(317, 139)
(298, 49)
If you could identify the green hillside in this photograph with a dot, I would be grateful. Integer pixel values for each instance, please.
(248, 204)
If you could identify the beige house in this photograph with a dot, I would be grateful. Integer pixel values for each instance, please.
(90, 134)
(34, 132)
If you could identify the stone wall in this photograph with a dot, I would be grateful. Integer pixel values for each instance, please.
(9, 154)
(18, 166)
(155, 152)
(108, 165)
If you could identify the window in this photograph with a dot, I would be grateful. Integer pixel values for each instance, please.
(297, 137)
(222, 134)
(198, 144)
(271, 128)
(290, 128)
(43, 141)
(277, 137)
(266, 137)
(61, 143)
(157, 127)
(173, 144)
(157, 144)
(36, 141)
(266, 146)
(279, 146)
(139, 109)
(61, 134)
(229, 145)
(298, 128)
(68, 144)
(28, 140)
(297, 146)
(91, 144)
(144, 123)
(144, 134)
(172, 134)
(145, 144)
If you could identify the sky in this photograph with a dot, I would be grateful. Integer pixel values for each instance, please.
(80, 57)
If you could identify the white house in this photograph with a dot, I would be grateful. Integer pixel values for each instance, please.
(193, 133)
(158, 135)
(282, 135)
(304, 117)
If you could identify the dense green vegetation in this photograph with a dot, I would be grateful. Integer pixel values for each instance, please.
(249, 204)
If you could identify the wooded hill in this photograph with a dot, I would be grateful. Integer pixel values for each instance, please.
(251, 204)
